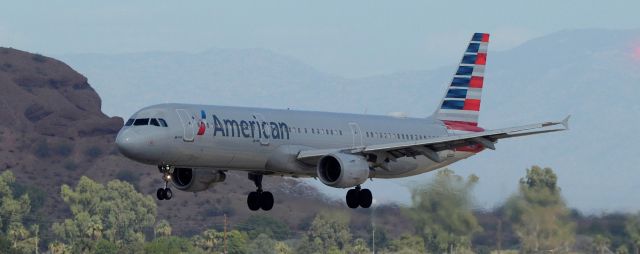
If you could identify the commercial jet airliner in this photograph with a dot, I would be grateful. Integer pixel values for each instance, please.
(194, 145)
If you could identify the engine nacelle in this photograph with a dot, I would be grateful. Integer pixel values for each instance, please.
(196, 179)
(343, 170)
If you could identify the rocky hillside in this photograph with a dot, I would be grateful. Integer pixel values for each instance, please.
(52, 131)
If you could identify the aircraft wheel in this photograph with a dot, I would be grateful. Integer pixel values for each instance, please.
(266, 201)
(352, 198)
(365, 198)
(253, 201)
(160, 194)
(168, 194)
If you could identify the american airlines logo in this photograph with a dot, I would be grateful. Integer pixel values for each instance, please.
(254, 128)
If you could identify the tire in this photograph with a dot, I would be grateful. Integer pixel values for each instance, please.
(352, 198)
(253, 201)
(160, 194)
(168, 194)
(365, 198)
(266, 201)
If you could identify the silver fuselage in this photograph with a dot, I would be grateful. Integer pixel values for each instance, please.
(268, 140)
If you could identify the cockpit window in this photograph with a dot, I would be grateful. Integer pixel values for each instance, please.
(141, 121)
(163, 123)
(147, 121)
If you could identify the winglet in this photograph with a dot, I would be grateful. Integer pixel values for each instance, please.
(565, 122)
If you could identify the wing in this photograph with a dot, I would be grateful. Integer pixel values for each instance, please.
(430, 147)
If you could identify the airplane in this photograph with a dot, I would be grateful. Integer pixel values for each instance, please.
(195, 145)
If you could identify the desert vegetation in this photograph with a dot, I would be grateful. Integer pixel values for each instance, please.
(115, 218)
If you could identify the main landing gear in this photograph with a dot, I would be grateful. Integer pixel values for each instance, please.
(359, 197)
(259, 198)
(165, 193)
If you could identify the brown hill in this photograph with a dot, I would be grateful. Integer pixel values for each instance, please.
(52, 131)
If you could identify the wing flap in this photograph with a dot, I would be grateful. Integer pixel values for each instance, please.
(427, 146)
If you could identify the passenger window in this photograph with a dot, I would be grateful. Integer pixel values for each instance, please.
(155, 122)
(141, 121)
(129, 122)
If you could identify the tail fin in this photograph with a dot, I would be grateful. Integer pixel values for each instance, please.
(461, 103)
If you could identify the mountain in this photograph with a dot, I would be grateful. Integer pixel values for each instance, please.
(52, 131)
(591, 74)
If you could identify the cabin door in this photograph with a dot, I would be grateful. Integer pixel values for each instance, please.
(357, 134)
(265, 129)
(188, 124)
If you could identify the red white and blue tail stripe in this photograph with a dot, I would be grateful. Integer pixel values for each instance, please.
(460, 107)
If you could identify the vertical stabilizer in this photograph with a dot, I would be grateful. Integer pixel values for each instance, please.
(461, 103)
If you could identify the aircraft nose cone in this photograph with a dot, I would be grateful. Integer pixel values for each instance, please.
(128, 143)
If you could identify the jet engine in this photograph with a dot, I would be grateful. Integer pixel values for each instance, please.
(196, 179)
(342, 170)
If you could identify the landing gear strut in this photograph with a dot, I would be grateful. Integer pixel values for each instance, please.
(359, 197)
(259, 198)
(165, 193)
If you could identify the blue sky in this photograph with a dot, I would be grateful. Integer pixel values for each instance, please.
(344, 38)
(347, 38)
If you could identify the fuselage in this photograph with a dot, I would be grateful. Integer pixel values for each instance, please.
(268, 140)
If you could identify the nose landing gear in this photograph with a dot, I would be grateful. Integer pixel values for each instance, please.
(259, 199)
(359, 197)
(165, 193)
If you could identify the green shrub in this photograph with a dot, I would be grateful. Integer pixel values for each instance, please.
(261, 224)
(42, 149)
(37, 196)
(93, 152)
(105, 247)
(70, 165)
(63, 149)
(172, 244)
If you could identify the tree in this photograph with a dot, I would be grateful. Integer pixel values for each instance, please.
(236, 242)
(282, 248)
(539, 215)
(407, 244)
(13, 209)
(115, 212)
(263, 244)
(105, 247)
(59, 248)
(360, 247)
(261, 224)
(163, 229)
(441, 212)
(632, 229)
(169, 245)
(329, 232)
(209, 241)
(622, 250)
(600, 244)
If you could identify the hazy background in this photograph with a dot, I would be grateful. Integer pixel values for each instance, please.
(547, 59)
